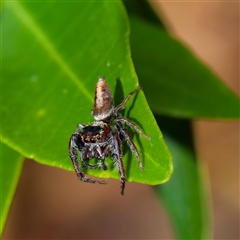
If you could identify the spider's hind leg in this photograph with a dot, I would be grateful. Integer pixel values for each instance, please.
(132, 146)
(132, 125)
(123, 104)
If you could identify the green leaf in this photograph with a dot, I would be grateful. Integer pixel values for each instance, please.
(11, 166)
(174, 81)
(185, 194)
(53, 54)
(143, 10)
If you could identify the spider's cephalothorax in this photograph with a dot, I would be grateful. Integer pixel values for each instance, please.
(104, 136)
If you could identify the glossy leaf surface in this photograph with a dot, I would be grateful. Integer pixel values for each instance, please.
(175, 82)
(11, 166)
(53, 54)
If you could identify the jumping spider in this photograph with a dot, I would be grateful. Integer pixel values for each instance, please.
(103, 137)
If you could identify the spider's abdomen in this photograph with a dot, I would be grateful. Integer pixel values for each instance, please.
(103, 102)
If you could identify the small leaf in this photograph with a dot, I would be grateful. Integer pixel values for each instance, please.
(174, 81)
(185, 194)
(53, 54)
(11, 166)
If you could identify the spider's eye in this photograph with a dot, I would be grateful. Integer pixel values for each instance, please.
(92, 140)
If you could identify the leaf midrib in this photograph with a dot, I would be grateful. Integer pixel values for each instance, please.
(24, 16)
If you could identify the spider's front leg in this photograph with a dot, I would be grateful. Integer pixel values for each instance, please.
(73, 148)
(117, 156)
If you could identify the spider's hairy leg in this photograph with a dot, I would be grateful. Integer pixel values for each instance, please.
(132, 146)
(117, 156)
(73, 148)
(124, 102)
(132, 125)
